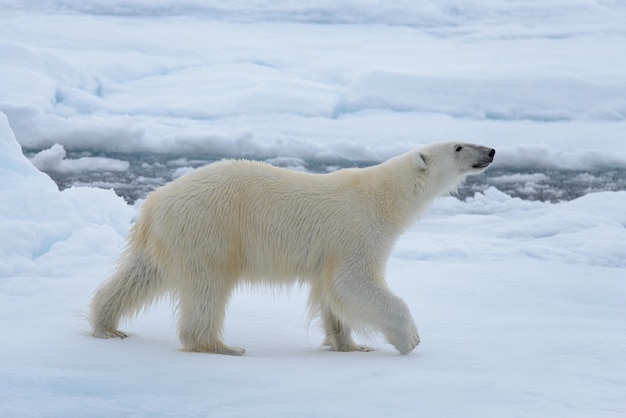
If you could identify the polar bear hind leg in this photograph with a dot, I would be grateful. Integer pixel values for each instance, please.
(201, 311)
(135, 284)
(338, 334)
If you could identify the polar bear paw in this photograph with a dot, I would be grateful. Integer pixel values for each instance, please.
(109, 334)
(407, 342)
(215, 349)
(359, 347)
(232, 351)
(347, 347)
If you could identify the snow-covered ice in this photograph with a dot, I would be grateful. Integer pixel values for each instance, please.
(341, 79)
(521, 305)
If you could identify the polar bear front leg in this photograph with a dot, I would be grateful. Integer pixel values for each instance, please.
(397, 324)
(338, 334)
(370, 301)
(403, 334)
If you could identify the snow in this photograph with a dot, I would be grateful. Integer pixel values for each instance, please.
(520, 304)
(350, 80)
(53, 159)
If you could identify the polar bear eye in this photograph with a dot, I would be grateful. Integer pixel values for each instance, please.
(459, 148)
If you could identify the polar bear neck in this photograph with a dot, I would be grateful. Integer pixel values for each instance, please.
(405, 189)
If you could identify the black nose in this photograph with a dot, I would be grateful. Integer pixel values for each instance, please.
(492, 153)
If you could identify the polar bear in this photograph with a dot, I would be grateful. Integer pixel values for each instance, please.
(234, 222)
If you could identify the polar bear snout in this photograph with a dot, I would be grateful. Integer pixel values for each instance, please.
(485, 158)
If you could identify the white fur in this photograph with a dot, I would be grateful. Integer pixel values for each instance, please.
(242, 221)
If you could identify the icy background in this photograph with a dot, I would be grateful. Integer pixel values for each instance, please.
(518, 289)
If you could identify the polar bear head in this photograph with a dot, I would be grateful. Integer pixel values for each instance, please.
(446, 164)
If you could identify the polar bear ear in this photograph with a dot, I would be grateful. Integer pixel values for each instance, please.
(420, 161)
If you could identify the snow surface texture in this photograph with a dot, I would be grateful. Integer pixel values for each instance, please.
(520, 305)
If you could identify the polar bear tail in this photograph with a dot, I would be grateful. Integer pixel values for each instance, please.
(135, 285)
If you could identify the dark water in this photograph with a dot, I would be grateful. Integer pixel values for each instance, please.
(150, 170)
